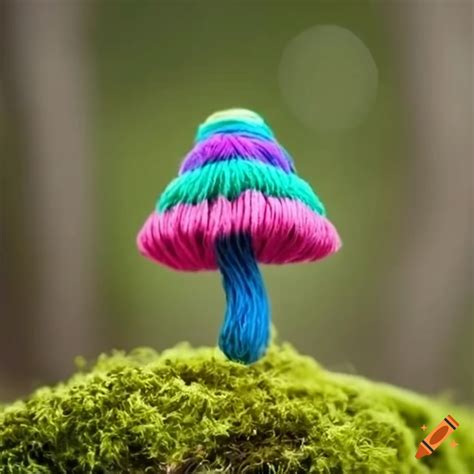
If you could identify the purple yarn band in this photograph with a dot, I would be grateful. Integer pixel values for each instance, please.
(221, 147)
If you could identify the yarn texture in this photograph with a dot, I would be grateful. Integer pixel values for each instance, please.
(233, 177)
(282, 230)
(246, 327)
(223, 147)
(238, 186)
(192, 411)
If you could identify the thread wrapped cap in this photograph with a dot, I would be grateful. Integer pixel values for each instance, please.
(237, 179)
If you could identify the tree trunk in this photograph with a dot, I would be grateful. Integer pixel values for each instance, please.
(46, 85)
(430, 287)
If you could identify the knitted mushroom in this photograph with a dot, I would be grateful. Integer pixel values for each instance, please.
(238, 202)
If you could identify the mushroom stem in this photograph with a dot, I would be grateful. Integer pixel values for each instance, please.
(245, 332)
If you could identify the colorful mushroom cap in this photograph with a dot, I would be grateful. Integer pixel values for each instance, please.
(237, 179)
(238, 201)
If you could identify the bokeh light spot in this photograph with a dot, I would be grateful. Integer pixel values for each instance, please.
(328, 78)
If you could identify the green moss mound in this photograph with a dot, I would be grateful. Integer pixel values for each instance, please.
(189, 410)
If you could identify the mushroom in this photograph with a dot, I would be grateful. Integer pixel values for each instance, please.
(238, 202)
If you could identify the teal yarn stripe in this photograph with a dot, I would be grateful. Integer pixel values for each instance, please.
(232, 178)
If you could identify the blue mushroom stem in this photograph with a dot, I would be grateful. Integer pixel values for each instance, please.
(245, 332)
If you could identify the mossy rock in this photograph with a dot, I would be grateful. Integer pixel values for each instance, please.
(190, 410)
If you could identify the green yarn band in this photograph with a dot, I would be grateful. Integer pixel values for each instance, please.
(232, 178)
(244, 115)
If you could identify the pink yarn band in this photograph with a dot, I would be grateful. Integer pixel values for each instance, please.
(282, 231)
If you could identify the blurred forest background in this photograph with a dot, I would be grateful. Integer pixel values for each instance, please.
(99, 102)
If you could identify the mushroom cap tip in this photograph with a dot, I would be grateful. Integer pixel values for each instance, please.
(235, 121)
(235, 113)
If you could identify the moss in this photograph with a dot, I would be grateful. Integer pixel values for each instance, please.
(189, 410)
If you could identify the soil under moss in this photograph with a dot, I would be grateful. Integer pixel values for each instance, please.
(190, 410)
